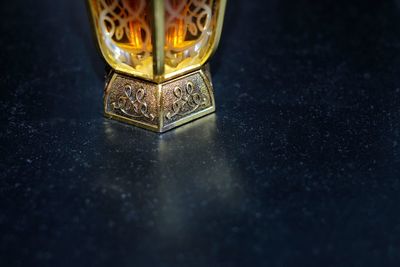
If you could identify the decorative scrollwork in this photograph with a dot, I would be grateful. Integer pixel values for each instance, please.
(132, 103)
(188, 28)
(125, 29)
(187, 101)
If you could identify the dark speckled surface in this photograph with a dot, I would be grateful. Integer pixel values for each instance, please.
(300, 165)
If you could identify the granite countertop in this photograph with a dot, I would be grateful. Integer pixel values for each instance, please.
(299, 166)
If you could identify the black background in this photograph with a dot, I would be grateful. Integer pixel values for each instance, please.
(299, 166)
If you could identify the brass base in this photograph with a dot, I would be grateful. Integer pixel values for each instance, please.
(159, 107)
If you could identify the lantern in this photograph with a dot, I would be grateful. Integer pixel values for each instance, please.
(158, 52)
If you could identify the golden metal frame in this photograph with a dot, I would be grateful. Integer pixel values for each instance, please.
(159, 107)
(134, 99)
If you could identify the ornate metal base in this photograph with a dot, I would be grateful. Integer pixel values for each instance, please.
(159, 107)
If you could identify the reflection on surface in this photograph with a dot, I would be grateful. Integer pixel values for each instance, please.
(173, 204)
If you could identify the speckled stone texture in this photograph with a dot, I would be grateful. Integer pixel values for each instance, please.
(299, 166)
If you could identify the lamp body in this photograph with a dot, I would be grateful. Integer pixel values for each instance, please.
(158, 50)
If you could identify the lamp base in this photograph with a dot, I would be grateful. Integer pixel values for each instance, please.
(159, 107)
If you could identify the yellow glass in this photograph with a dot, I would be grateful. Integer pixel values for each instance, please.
(129, 41)
(190, 29)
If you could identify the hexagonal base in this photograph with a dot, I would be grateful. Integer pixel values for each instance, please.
(159, 107)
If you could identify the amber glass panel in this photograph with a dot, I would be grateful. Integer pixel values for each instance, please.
(189, 32)
(124, 33)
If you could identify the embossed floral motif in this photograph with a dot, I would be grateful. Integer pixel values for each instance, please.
(132, 103)
(187, 101)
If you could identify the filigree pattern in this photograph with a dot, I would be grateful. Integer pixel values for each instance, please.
(125, 29)
(159, 107)
(187, 101)
(188, 29)
(132, 103)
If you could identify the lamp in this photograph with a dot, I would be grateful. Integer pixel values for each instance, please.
(158, 52)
